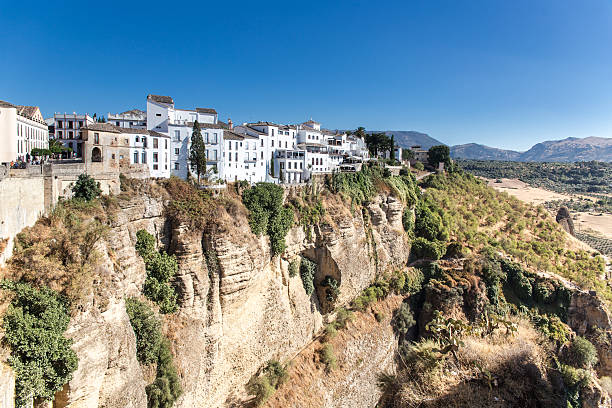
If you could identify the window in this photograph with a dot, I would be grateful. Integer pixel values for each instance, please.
(96, 138)
(236, 156)
(117, 123)
(80, 123)
(177, 166)
(70, 134)
(70, 123)
(282, 165)
(113, 156)
(206, 137)
(137, 139)
(155, 143)
(59, 124)
(144, 157)
(236, 145)
(262, 155)
(272, 134)
(155, 167)
(285, 144)
(262, 143)
(166, 143)
(144, 142)
(131, 123)
(176, 151)
(136, 157)
(272, 142)
(158, 114)
(301, 165)
(289, 165)
(213, 138)
(229, 156)
(229, 146)
(177, 135)
(155, 157)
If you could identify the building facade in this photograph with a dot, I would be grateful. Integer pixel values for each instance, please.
(68, 129)
(132, 119)
(22, 128)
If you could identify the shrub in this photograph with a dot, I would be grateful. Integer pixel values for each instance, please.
(266, 382)
(332, 291)
(294, 267)
(493, 276)
(552, 327)
(379, 316)
(161, 267)
(152, 347)
(267, 214)
(147, 329)
(307, 273)
(414, 281)
(330, 331)
(424, 249)
(343, 316)
(581, 353)
(34, 327)
(328, 357)
(428, 224)
(166, 388)
(86, 188)
(419, 166)
(404, 320)
(408, 220)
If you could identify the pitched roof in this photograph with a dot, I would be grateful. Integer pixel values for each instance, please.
(133, 131)
(4, 104)
(311, 122)
(161, 99)
(206, 110)
(219, 125)
(157, 134)
(103, 127)
(263, 124)
(137, 112)
(26, 111)
(229, 135)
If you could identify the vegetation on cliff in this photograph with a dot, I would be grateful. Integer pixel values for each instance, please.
(34, 327)
(161, 267)
(267, 214)
(152, 347)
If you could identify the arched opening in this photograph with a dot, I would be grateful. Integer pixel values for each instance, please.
(96, 154)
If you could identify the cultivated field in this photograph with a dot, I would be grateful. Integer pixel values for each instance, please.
(588, 222)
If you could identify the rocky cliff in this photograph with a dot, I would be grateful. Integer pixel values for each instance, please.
(238, 305)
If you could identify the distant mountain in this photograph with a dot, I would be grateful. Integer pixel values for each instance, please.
(566, 150)
(408, 138)
(571, 149)
(482, 152)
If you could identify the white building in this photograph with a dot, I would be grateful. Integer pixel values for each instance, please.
(135, 119)
(163, 117)
(291, 166)
(150, 148)
(241, 158)
(22, 128)
(68, 130)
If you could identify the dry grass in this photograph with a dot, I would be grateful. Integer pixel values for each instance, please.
(500, 371)
(59, 250)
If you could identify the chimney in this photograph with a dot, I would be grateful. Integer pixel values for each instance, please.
(230, 123)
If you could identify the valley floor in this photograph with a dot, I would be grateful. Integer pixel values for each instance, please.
(589, 222)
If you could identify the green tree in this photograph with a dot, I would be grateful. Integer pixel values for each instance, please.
(439, 154)
(197, 151)
(34, 327)
(407, 154)
(360, 132)
(377, 143)
(86, 188)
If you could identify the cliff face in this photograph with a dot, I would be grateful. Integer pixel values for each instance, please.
(238, 306)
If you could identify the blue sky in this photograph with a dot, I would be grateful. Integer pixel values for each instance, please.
(503, 73)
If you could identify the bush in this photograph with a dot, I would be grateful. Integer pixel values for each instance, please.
(294, 267)
(424, 249)
(147, 329)
(152, 347)
(428, 224)
(161, 267)
(267, 214)
(332, 290)
(419, 166)
(408, 221)
(343, 316)
(580, 353)
(328, 357)
(166, 388)
(307, 273)
(404, 320)
(86, 188)
(414, 281)
(330, 331)
(34, 327)
(266, 382)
